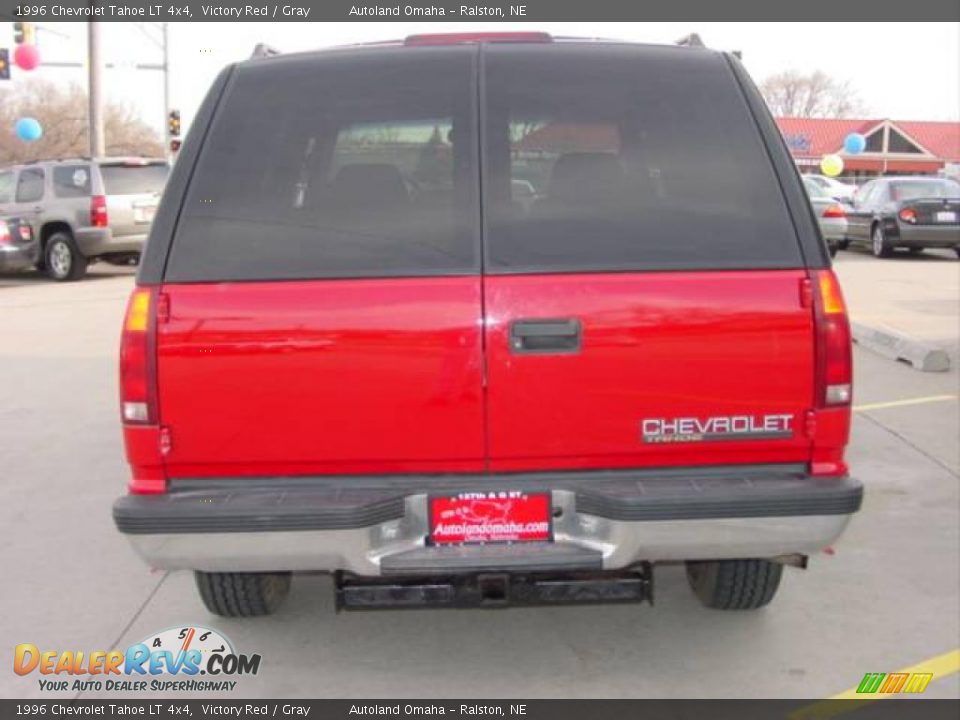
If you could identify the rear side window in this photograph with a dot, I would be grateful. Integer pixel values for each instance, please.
(6, 187)
(134, 179)
(879, 193)
(639, 158)
(814, 190)
(71, 181)
(354, 164)
(30, 185)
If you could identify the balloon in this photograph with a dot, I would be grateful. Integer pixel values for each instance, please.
(28, 129)
(26, 57)
(854, 144)
(831, 165)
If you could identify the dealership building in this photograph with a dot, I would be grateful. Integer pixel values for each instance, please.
(894, 147)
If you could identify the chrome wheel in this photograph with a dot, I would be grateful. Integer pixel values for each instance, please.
(60, 259)
(878, 244)
(63, 260)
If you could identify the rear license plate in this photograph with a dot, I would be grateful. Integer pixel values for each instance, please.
(946, 216)
(144, 214)
(490, 517)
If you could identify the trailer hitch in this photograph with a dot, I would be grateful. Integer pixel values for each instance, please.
(495, 590)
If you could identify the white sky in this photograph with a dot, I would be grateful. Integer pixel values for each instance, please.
(904, 71)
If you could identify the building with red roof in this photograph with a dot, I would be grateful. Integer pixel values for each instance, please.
(894, 147)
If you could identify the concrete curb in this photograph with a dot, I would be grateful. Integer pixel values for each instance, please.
(898, 346)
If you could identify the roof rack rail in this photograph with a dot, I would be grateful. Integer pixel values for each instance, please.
(691, 40)
(263, 50)
(475, 37)
(68, 158)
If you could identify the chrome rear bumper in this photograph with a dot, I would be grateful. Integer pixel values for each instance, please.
(601, 521)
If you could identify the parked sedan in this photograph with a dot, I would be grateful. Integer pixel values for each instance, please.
(18, 246)
(830, 215)
(908, 212)
(834, 188)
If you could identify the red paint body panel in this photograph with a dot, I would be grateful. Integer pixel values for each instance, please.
(655, 345)
(334, 376)
(831, 436)
(142, 444)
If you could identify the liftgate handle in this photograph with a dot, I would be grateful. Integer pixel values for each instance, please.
(546, 336)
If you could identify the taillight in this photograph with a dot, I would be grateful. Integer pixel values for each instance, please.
(908, 215)
(4, 233)
(138, 376)
(834, 211)
(834, 354)
(98, 211)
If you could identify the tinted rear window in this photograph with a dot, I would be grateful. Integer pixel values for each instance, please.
(639, 158)
(932, 188)
(134, 179)
(349, 164)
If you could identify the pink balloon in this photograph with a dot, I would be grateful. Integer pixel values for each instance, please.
(26, 57)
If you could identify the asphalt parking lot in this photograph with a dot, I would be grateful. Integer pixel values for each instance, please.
(887, 598)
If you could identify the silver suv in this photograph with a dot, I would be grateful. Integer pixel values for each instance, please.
(84, 210)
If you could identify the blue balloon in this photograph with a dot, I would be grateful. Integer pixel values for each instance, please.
(854, 144)
(28, 129)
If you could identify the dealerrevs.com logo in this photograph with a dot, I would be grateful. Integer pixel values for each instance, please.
(171, 660)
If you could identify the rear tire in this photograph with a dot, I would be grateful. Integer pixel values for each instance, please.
(878, 242)
(734, 584)
(242, 594)
(63, 260)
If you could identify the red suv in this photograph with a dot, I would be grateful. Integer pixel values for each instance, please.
(470, 320)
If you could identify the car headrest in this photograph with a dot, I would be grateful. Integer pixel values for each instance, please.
(368, 186)
(585, 176)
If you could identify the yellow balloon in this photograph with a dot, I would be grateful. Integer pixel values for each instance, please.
(831, 165)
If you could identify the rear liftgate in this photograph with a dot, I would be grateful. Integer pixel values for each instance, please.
(495, 589)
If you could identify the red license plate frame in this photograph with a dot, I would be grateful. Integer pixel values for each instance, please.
(490, 517)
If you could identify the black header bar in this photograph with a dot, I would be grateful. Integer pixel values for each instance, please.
(164, 708)
(488, 11)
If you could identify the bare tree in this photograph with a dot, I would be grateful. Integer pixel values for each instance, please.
(62, 111)
(793, 94)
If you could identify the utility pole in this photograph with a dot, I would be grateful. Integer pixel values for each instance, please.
(95, 90)
(166, 88)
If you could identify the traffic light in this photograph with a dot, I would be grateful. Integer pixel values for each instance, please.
(173, 124)
(174, 146)
(4, 64)
(24, 33)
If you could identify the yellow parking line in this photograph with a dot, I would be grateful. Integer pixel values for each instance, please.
(904, 403)
(940, 666)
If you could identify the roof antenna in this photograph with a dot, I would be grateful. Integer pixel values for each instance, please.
(691, 40)
(264, 50)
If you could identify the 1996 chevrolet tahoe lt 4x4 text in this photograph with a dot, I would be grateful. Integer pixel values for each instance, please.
(485, 320)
